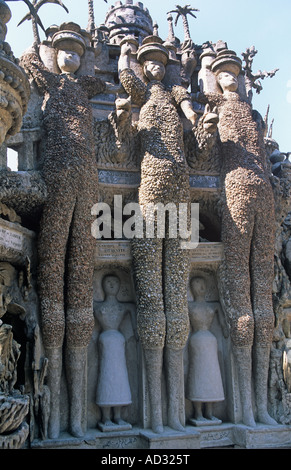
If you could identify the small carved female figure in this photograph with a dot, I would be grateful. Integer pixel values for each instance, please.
(113, 389)
(204, 383)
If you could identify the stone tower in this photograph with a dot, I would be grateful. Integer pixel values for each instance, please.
(128, 19)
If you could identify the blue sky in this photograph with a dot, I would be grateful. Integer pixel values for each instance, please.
(264, 24)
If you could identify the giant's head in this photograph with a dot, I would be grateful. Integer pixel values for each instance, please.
(70, 46)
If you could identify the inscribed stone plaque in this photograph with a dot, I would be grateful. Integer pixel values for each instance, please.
(11, 239)
(206, 182)
(16, 242)
(110, 177)
(113, 250)
(207, 253)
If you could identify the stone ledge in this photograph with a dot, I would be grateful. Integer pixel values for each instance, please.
(216, 436)
(226, 435)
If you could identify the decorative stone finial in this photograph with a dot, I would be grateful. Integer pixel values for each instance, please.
(155, 29)
(171, 35)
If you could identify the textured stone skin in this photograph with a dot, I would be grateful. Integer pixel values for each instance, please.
(70, 174)
(161, 265)
(248, 234)
(66, 246)
(248, 223)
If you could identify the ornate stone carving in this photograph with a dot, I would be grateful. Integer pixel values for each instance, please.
(115, 138)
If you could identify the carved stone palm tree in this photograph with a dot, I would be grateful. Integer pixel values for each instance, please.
(36, 4)
(91, 19)
(183, 12)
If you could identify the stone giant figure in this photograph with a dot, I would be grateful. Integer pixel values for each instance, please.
(65, 241)
(160, 265)
(248, 224)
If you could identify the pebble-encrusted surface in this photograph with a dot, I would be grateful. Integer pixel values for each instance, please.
(160, 266)
(248, 223)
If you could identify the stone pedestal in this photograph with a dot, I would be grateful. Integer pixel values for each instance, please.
(262, 437)
(216, 436)
(114, 427)
(171, 439)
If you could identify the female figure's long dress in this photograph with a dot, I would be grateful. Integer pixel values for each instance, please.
(204, 377)
(113, 384)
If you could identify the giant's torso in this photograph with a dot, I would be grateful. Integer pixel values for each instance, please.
(164, 171)
(67, 121)
(242, 146)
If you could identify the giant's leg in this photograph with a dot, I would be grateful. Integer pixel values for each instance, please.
(54, 372)
(79, 301)
(176, 272)
(234, 277)
(147, 264)
(262, 273)
(52, 243)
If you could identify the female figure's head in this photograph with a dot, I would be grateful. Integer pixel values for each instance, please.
(198, 287)
(111, 284)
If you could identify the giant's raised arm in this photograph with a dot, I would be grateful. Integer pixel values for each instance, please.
(183, 99)
(124, 59)
(130, 82)
(35, 69)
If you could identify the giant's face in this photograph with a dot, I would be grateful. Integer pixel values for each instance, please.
(227, 81)
(154, 70)
(68, 61)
